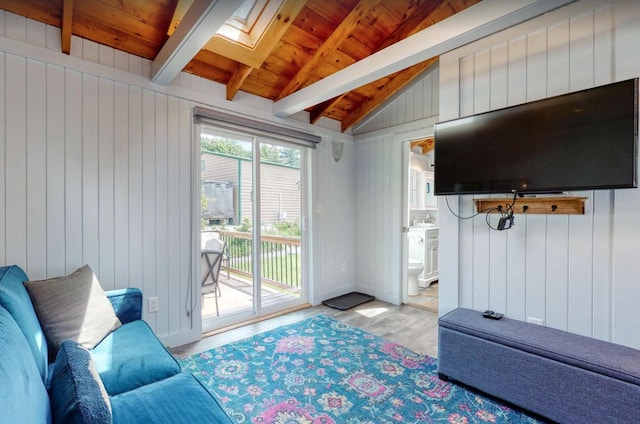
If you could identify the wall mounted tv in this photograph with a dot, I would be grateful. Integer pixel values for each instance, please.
(585, 140)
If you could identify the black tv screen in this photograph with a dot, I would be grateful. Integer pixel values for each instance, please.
(585, 140)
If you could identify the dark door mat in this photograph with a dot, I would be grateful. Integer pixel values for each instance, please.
(347, 301)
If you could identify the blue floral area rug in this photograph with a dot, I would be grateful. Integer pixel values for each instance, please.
(323, 371)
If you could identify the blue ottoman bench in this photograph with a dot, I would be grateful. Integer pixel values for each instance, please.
(558, 375)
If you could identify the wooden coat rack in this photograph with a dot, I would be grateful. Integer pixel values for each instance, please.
(535, 205)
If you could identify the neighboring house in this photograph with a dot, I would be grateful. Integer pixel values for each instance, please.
(281, 196)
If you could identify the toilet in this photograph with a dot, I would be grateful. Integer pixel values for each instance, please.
(415, 269)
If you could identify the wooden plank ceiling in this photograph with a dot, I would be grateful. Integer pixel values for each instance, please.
(286, 46)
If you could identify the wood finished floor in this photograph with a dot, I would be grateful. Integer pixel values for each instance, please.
(409, 326)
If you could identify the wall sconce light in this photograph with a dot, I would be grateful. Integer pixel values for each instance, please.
(337, 148)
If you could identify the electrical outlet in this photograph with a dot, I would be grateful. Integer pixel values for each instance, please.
(344, 267)
(153, 304)
(536, 321)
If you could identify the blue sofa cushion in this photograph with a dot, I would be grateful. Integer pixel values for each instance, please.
(23, 397)
(179, 399)
(127, 303)
(77, 393)
(132, 356)
(15, 299)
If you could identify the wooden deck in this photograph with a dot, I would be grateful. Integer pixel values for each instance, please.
(237, 295)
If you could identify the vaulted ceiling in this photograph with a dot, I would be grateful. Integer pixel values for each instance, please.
(277, 49)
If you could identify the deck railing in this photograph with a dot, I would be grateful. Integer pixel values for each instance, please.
(280, 258)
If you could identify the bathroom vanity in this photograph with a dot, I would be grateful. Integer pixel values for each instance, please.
(423, 247)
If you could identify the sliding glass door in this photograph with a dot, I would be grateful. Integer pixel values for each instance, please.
(252, 241)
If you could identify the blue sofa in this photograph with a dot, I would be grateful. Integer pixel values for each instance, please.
(129, 377)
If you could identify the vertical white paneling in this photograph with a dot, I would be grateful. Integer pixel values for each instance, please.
(516, 285)
(36, 33)
(136, 250)
(90, 172)
(106, 183)
(377, 202)
(435, 92)
(161, 187)
(187, 298)
(517, 71)
(97, 168)
(496, 81)
(135, 64)
(55, 169)
(418, 105)
(121, 60)
(419, 101)
(73, 170)
(466, 85)
(36, 171)
(557, 273)
(481, 98)
(537, 66)
(580, 282)
(121, 184)
(558, 59)
(172, 289)
(3, 23)
(604, 33)
(16, 159)
(575, 272)
(15, 27)
(467, 248)
(464, 206)
(149, 271)
(481, 82)
(3, 158)
(557, 226)
(499, 76)
(627, 31)
(427, 96)
(625, 290)
(106, 55)
(53, 39)
(602, 202)
(90, 51)
(581, 56)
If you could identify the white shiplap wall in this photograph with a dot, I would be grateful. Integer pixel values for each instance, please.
(94, 171)
(574, 272)
(379, 170)
(96, 166)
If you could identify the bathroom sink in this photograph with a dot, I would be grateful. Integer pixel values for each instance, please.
(425, 225)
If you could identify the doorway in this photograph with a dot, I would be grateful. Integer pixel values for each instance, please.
(252, 243)
(422, 229)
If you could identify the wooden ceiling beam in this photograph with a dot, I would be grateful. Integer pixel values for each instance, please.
(67, 24)
(237, 79)
(201, 22)
(330, 45)
(426, 145)
(425, 16)
(476, 22)
(393, 86)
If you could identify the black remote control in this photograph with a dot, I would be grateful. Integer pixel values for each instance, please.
(492, 315)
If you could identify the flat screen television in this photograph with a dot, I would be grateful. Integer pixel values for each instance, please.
(585, 140)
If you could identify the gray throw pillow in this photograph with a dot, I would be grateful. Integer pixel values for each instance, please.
(73, 308)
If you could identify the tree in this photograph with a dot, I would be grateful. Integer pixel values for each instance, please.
(268, 152)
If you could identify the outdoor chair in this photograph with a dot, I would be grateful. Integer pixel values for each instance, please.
(212, 256)
(209, 235)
